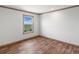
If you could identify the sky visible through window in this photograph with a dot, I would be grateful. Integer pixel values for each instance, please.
(27, 20)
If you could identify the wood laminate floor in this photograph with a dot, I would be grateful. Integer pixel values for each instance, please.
(39, 45)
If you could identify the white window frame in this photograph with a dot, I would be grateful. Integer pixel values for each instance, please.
(32, 25)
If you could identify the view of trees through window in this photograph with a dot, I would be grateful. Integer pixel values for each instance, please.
(28, 23)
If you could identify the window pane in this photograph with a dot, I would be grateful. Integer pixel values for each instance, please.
(28, 23)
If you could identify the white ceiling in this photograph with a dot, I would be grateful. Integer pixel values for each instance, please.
(38, 8)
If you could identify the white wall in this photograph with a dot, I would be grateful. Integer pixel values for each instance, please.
(11, 26)
(61, 25)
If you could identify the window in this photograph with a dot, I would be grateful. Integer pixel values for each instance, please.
(27, 23)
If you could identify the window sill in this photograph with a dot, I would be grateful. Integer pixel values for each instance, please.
(28, 32)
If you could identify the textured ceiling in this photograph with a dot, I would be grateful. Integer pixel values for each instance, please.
(38, 8)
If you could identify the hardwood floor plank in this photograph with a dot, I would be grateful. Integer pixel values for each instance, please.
(39, 45)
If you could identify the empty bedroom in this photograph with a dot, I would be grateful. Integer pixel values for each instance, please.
(39, 29)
